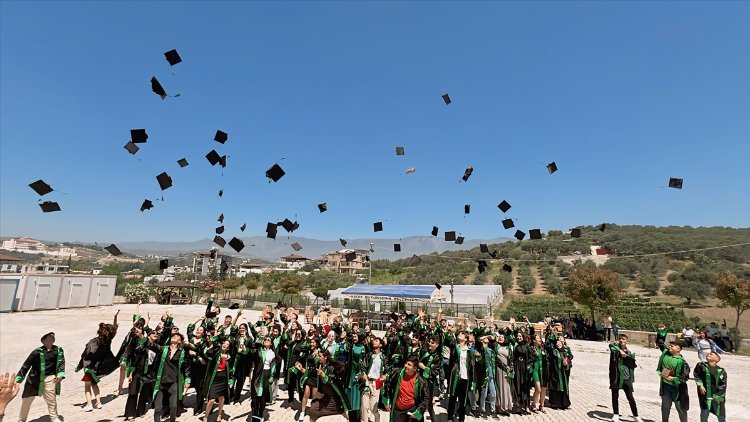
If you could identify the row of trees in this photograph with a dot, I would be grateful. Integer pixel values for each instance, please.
(597, 288)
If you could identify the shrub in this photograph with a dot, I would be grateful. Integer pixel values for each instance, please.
(527, 284)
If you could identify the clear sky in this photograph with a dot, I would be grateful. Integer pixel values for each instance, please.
(621, 95)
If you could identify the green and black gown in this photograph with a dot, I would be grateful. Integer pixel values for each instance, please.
(264, 362)
(523, 358)
(330, 398)
(559, 392)
(218, 378)
(241, 367)
(714, 380)
(140, 364)
(97, 360)
(35, 370)
(172, 373)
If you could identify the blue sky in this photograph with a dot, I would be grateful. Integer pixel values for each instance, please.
(621, 96)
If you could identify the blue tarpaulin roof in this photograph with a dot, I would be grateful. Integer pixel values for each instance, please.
(390, 292)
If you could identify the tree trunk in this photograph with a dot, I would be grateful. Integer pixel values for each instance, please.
(593, 321)
(737, 322)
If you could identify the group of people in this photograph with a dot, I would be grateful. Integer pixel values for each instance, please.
(344, 369)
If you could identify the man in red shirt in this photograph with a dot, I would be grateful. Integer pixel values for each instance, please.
(406, 395)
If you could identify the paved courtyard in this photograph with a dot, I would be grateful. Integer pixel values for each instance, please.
(590, 396)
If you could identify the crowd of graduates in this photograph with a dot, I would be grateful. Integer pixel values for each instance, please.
(343, 368)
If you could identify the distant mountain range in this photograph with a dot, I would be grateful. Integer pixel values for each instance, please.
(269, 249)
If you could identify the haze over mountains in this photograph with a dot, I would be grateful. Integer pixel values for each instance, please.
(270, 249)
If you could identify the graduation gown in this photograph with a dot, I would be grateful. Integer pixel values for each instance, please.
(716, 388)
(97, 360)
(559, 393)
(522, 361)
(34, 367)
(680, 378)
(183, 367)
(618, 365)
(392, 387)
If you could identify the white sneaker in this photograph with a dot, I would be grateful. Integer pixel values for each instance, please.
(88, 408)
(99, 406)
(615, 418)
(638, 419)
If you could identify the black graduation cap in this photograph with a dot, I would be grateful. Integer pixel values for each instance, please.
(575, 232)
(535, 234)
(163, 264)
(467, 209)
(351, 256)
(172, 57)
(434, 231)
(602, 227)
(415, 260)
(234, 306)
(212, 254)
(467, 173)
(323, 207)
(378, 227)
(165, 182)
(157, 88)
(508, 223)
(221, 137)
(219, 240)
(242, 227)
(224, 266)
(481, 266)
(131, 148)
(221, 193)
(114, 250)
(343, 242)
(675, 183)
(237, 244)
(399, 150)
(507, 268)
(483, 248)
(138, 136)
(460, 240)
(396, 247)
(438, 286)
(519, 235)
(551, 167)
(221, 218)
(271, 230)
(367, 258)
(182, 162)
(450, 236)
(213, 157)
(504, 206)
(223, 161)
(296, 246)
(49, 206)
(40, 187)
(220, 230)
(287, 225)
(275, 172)
(147, 205)
(447, 99)
(493, 254)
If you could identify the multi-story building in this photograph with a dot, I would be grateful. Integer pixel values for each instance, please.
(33, 246)
(292, 262)
(204, 262)
(26, 245)
(248, 268)
(346, 261)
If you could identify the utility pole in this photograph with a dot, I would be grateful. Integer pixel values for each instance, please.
(369, 280)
